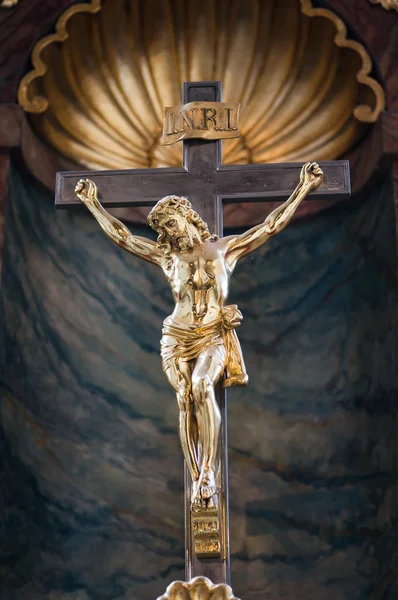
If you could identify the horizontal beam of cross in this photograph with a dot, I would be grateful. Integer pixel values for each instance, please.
(232, 184)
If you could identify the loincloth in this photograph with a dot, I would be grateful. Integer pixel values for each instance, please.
(189, 340)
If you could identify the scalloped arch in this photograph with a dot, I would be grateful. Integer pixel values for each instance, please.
(100, 82)
(363, 112)
(28, 96)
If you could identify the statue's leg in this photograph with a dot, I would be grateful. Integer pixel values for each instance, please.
(208, 370)
(179, 375)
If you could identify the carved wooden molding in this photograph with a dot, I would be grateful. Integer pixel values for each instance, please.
(8, 3)
(387, 4)
(39, 103)
(363, 112)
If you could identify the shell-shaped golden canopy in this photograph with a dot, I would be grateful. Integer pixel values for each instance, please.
(199, 588)
(99, 96)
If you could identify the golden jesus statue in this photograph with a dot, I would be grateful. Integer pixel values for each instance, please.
(199, 343)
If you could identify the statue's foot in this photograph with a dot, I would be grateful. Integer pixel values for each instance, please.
(208, 488)
(196, 498)
(198, 504)
(203, 495)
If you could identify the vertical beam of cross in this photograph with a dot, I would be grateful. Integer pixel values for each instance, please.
(201, 157)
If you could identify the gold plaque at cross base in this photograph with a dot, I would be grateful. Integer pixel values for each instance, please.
(206, 531)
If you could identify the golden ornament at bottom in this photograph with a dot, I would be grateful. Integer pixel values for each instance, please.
(199, 588)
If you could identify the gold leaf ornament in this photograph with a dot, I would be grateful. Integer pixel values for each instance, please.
(199, 588)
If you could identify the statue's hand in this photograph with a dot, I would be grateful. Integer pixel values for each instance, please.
(81, 188)
(311, 175)
(86, 190)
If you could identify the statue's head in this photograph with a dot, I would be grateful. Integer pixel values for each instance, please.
(178, 225)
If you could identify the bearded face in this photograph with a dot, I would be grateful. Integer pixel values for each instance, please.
(179, 227)
(180, 232)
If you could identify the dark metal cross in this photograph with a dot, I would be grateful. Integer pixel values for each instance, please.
(208, 185)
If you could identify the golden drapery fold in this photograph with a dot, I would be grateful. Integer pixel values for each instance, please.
(185, 341)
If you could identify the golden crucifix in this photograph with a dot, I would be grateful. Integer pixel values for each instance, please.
(199, 342)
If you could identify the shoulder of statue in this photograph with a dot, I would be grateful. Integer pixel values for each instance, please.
(225, 242)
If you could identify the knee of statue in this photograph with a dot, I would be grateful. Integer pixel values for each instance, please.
(185, 400)
(201, 387)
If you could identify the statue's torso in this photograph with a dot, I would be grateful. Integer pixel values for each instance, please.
(199, 280)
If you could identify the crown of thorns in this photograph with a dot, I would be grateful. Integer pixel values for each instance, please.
(169, 205)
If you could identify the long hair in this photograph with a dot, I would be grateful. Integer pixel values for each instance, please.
(168, 206)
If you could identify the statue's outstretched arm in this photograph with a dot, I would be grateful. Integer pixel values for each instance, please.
(238, 246)
(86, 191)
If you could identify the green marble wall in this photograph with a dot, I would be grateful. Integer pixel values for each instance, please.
(91, 470)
